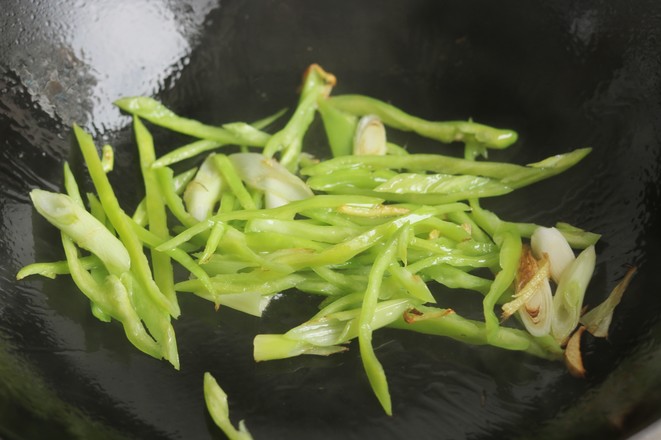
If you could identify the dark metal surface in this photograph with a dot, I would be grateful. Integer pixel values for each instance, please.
(564, 74)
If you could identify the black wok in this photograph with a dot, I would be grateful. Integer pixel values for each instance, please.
(563, 74)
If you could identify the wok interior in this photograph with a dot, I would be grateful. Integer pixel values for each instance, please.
(563, 75)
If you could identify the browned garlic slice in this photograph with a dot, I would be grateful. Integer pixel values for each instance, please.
(573, 356)
(533, 299)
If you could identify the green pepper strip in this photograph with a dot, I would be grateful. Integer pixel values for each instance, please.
(450, 131)
(216, 402)
(511, 175)
(340, 128)
(371, 364)
(490, 222)
(201, 146)
(291, 209)
(157, 113)
(337, 278)
(215, 236)
(51, 269)
(413, 283)
(447, 229)
(158, 225)
(71, 186)
(179, 183)
(510, 254)
(259, 281)
(577, 237)
(155, 318)
(263, 123)
(272, 241)
(322, 335)
(226, 263)
(396, 150)
(72, 189)
(172, 199)
(289, 140)
(153, 241)
(185, 152)
(418, 198)
(227, 200)
(329, 217)
(112, 303)
(97, 210)
(118, 218)
(231, 177)
(360, 177)
(450, 257)
(345, 250)
(475, 332)
(185, 236)
(302, 229)
(333, 305)
(462, 218)
(456, 278)
(235, 242)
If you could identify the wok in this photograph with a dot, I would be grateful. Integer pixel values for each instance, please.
(563, 74)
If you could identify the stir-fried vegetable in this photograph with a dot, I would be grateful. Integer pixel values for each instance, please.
(551, 242)
(533, 298)
(216, 400)
(568, 300)
(88, 232)
(375, 231)
(598, 320)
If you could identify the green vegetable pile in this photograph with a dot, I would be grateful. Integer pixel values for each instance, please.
(371, 230)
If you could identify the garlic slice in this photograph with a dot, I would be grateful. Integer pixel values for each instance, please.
(533, 299)
(537, 312)
(550, 241)
(203, 191)
(370, 137)
(280, 186)
(573, 356)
